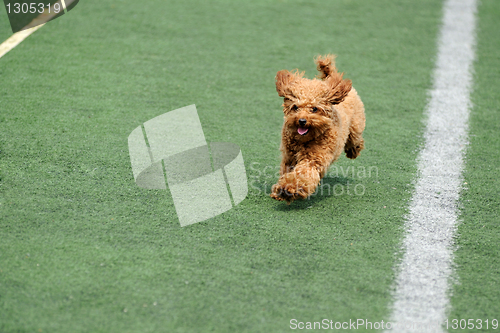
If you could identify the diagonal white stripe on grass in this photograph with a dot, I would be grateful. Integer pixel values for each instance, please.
(422, 284)
(16, 39)
(64, 6)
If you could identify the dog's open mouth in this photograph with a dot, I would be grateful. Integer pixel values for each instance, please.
(302, 130)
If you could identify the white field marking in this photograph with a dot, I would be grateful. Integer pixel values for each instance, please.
(422, 285)
(33, 26)
(64, 6)
(16, 39)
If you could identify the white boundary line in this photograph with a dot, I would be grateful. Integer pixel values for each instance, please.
(16, 39)
(64, 6)
(422, 286)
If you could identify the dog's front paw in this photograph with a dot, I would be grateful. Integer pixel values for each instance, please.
(277, 193)
(288, 192)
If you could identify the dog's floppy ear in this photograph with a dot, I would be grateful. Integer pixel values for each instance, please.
(325, 65)
(338, 88)
(283, 80)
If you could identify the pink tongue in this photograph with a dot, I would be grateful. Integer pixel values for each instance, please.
(302, 130)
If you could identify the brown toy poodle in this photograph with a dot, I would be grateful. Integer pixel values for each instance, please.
(323, 117)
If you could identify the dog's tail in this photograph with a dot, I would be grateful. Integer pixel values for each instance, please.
(325, 65)
(339, 88)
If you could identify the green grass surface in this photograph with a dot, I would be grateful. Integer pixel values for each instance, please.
(477, 293)
(83, 249)
(5, 29)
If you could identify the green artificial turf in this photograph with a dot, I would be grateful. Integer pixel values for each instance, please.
(5, 29)
(83, 249)
(476, 293)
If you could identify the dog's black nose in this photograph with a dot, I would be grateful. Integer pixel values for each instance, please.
(302, 122)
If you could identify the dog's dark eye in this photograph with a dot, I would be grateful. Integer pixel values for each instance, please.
(314, 110)
(295, 108)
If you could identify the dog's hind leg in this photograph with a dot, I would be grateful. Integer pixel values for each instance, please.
(355, 142)
(354, 145)
(354, 107)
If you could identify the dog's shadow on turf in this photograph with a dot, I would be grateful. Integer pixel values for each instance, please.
(329, 186)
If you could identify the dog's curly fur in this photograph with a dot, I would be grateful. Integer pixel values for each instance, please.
(323, 117)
